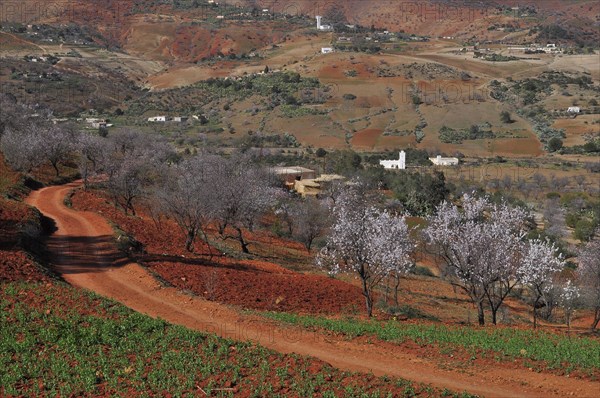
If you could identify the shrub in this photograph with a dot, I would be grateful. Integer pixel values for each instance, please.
(422, 271)
(554, 144)
(505, 117)
(349, 97)
(584, 230)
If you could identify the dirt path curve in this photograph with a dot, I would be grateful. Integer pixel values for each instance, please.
(84, 255)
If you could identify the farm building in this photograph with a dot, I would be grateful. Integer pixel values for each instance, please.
(440, 161)
(399, 164)
(312, 187)
(326, 50)
(574, 109)
(293, 173)
(157, 119)
(180, 119)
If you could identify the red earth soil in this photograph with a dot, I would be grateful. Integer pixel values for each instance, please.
(15, 264)
(85, 256)
(251, 284)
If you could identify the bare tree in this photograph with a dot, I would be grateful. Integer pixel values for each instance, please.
(132, 164)
(58, 145)
(187, 197)
(91, 150)
(244, 192)
(589, 274)
(554, 216)
(367, 242)
(22, 149)
(311, 218)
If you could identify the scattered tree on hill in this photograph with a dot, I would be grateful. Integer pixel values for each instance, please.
(555, 144)
(540, 263)
(244, 193)
(22, 149)
(568, 299)
(188, 198)
(505, 117)
(133, 163)
(311, 218)
(57, 145)
(589, 273)
(91, 150)
(365, 241)
(480, 246)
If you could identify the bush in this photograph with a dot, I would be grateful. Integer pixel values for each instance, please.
(349, 97)
(584, 230)
(422, 271)
(555, 144)
(505, 117)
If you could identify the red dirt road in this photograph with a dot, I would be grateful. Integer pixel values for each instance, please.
(84, 255)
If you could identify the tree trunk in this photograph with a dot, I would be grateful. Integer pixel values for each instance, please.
(367, 294)
(189, 241)
(480, 313)
(55, 165)
(494, 315)
(596, 319)
(535, 304)
(243, 243)
(396, 287)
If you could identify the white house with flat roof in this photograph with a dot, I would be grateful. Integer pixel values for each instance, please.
(399, 164)
(440, 161)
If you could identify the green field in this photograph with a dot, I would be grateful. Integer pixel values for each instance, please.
(57, 340)
(556, 351)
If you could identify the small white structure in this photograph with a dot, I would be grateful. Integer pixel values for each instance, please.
(574, 109)
(180, 119)
(326, 50)
(157, 119)
(320, 26)
(399, 164)
(440, 161)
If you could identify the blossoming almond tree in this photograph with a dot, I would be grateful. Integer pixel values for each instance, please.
(539, 265)
(368, 242)
(479, 244)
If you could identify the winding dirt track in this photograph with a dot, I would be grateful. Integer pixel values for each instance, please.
(84, 255)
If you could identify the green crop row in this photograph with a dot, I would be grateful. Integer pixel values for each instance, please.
(57, 340)
(557, 351)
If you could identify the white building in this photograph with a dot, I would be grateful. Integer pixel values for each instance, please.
(180, 119)
(574, 109)
(440, 161)
(157, 119)
(320, 26)
(326, 50)
(399, 164)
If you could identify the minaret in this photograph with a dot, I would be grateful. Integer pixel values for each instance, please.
(319, 22)
(402, 160)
